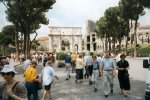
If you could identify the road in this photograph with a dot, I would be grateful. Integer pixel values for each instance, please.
(69, 90)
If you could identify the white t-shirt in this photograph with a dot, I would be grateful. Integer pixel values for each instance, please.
(26, 64)
(47, 75)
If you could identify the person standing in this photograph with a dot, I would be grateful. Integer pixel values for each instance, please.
(13, 89)
(108, 71)
(47, 79)
(85, 66)
(79, 69)
(123, 75)
(31, 77)
(73, 63)
(96, 71)
(68, 65)
(89, 68)
(26, 63)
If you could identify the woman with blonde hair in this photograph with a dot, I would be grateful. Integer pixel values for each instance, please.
(79, 68)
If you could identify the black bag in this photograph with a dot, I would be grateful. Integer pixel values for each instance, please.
(126, 75)
(38, 85)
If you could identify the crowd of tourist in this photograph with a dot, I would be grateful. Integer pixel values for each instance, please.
(87, 66)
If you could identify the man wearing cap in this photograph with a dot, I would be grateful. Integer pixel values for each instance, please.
(31, 77)
(108, 66)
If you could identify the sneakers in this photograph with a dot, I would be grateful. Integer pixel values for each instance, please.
(67, 79)
(95, 89)
(76, 81)
(106, 96)
(90, 82)
(111, 90)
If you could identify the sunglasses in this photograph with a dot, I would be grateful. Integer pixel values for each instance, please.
(7, 74)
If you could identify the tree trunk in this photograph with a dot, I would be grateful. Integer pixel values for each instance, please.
(109, 44)
(119, 45)
(17, 46)
(106, 45)
(126, 45)
(135, 38)
(24, 44)
(114, 44)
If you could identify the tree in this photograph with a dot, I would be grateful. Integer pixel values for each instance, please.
(7, 35)
(102, 30)
(27, 17)
(35, 45)
(133, 9)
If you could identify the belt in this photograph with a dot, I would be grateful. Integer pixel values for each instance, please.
(108, 70)
(96, 69)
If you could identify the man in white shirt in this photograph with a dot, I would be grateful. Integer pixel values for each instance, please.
(26, 63)
(47, 77)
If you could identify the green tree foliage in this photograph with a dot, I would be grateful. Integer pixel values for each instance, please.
(133, 9)
(7, 35)
(27, 16)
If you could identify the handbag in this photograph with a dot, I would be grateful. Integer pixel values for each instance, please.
(38, 85)
(126, 75)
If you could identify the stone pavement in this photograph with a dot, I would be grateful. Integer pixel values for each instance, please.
(69, 90)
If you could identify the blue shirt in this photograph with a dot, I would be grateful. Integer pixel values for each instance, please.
(68, 59)
(95, 64)
(108, 64)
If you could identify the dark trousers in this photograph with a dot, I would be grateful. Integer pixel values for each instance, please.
(73, 64)
(32, 91)
(79, 74)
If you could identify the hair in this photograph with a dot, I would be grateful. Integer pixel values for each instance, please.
(80, 56)
(108, 52)
(12, 73)
(123, 55)
(49, 63)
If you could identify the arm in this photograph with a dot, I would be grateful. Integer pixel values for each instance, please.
(20, 94)
(56, 77)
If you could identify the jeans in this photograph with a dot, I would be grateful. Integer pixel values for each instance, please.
(95, 78)
(32, 91)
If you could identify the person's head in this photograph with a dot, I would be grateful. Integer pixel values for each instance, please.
(49, 63)
(33, 64)
(80, 56)
(94, 57)
(68, 53)
(123, 56)
(107, 54)
(8, 72)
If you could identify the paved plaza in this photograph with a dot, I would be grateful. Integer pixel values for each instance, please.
(69, 90)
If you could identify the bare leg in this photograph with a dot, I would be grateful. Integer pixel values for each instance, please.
(44, 95)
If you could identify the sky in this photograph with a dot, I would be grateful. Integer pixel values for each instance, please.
(74, 13)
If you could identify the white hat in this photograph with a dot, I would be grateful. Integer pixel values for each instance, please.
(8, 68)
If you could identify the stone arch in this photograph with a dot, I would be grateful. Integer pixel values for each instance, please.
(88, 38)
(93, 38)
(88, 46)
(94, 46)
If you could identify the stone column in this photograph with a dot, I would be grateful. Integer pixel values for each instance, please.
(50, 43)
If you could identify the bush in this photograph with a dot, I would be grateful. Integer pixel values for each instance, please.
(61, 56)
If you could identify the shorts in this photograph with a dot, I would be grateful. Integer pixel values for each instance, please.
(47, 87)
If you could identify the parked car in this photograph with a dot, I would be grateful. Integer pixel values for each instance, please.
(146, 64)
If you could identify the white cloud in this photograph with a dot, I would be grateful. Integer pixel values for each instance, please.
(145, 20)
(74, 13)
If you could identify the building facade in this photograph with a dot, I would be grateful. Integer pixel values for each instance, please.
(94, 43)
(67, 38)
(91, 41)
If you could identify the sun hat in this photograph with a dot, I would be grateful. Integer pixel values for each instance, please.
(33, 63)
(8, 68)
